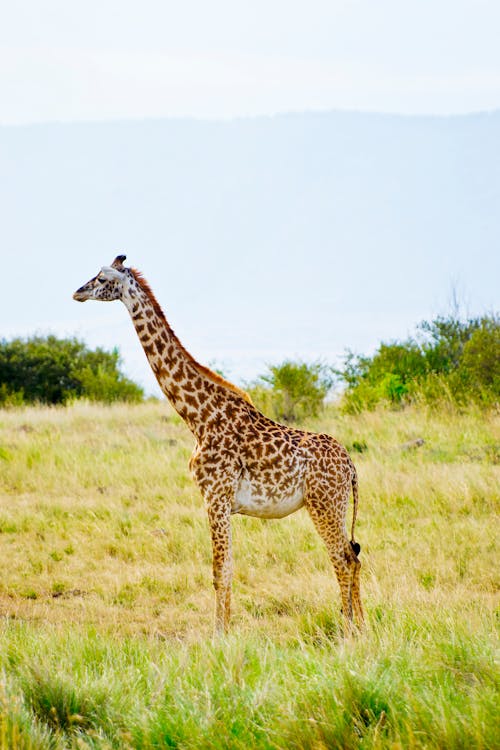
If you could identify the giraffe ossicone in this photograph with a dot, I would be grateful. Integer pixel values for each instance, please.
(243, 462)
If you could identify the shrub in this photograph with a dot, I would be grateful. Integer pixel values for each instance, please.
(480, 361)
(52, 371)
(454, 360)
(292, 391)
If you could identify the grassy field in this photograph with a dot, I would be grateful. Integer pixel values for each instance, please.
(106, 601)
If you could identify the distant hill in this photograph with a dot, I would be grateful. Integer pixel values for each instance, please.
(299, 234)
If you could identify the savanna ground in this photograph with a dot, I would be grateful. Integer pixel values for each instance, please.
(106, 601)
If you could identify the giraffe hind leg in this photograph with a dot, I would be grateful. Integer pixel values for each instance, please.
(356, 596)
(344, 578)
(331, 530)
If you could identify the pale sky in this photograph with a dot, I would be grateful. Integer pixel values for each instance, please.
(109, 59)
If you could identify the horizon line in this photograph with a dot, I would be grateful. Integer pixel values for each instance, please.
(222, 119)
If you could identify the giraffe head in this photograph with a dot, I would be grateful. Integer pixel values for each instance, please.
(109, 284)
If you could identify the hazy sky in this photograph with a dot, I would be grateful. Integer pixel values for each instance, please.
(102, 59)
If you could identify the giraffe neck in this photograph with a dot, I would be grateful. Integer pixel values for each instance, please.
(196, 393)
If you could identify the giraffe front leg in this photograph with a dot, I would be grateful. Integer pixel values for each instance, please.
(219, 516)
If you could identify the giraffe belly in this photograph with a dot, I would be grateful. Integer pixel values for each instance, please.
(252, 499)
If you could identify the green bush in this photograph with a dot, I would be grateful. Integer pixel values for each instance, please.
(481, 359)
(292, 391)
(451, 360)
(50, 370)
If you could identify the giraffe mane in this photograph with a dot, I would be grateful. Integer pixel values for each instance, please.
(201, 368)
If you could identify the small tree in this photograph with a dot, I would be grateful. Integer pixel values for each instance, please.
(292, 391)
(445, 340)
(480, 362)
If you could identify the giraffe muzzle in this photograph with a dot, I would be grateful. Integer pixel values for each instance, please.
(79, 295)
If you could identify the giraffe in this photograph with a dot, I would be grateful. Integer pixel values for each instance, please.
(243, 462)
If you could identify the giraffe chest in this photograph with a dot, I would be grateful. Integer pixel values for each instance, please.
(268, 498)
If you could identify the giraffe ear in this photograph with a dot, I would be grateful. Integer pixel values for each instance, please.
(118, 262)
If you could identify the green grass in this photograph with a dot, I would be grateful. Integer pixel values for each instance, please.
(106, 601)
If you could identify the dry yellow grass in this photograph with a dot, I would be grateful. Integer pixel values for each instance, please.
(101, 524)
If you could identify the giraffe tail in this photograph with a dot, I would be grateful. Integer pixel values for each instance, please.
(354, 481)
